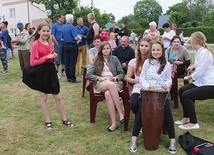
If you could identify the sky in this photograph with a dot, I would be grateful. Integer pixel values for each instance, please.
(121, 8)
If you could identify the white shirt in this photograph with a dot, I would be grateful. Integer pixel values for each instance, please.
(204, 68)
(169, 35)
(150, 77)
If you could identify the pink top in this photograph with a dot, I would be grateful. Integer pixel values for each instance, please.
(39, 52)
(104, 36)
(111, 40)
(136, 87)
(106, 71)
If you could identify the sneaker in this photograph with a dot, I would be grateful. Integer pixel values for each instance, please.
(133, 146)
(172, 148)
(195, 126)
(182, 121)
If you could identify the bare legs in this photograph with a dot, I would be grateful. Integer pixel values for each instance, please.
(113, 101)
(44, 106)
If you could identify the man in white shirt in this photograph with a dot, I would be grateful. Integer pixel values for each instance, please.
(167, 35)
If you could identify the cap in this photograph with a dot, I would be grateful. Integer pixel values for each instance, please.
(20, 25)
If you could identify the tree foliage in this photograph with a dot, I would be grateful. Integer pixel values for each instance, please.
(65, 6)
(147, 9)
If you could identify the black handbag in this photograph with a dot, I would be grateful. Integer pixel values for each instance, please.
(195, 146)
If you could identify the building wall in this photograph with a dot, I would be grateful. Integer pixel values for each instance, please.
(25, 12)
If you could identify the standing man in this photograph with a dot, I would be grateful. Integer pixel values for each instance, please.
(124, 53)
(56, 35)
(3, 48)
(82, 31)
(22, 41)
(167, 35)
(70, 38)
(116, 32)
(94, 29)
(123, 31)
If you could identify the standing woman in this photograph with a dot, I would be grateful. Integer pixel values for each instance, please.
(134, 68)
(111, 38)
(156, 74)
(45, 78)
(107, 72)
(203, 81)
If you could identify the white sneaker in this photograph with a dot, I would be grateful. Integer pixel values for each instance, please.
(180, 122)
(196, 126)
(133, 146)
(172, 148)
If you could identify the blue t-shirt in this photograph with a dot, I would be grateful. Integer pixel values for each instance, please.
(4, 37)
(56, 30)
(82, 31)
(69, 33)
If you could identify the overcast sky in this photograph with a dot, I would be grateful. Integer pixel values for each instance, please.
(122, 8)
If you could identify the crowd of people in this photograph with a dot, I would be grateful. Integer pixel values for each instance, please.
(46, 50)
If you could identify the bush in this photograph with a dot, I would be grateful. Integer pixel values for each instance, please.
(208, 31)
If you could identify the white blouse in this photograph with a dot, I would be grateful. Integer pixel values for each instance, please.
(150, 77)
(204, 68)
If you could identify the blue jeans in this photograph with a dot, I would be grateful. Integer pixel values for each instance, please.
(59, 49)
(71, 54)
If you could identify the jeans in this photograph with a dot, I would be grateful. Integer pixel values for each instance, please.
(59, 49)
(71, 54)
(3, 56)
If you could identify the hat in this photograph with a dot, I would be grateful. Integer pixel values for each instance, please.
(20, 25)
(5, 22)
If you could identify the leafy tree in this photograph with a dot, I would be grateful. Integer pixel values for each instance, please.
(209, 19)
(199, 9)
(179, 13)
(147, 9)
(65, 6)
(112, 17)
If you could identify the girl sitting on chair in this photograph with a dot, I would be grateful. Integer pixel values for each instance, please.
(106, 73)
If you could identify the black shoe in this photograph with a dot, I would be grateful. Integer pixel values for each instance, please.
(69, 80)
(122, 121)
(75, 81)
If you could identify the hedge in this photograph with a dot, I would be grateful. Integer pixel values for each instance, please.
(208, 31)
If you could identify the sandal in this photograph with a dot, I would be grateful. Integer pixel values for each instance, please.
(68, 123)
(48, 125)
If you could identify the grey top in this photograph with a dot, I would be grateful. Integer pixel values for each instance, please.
(115, 66)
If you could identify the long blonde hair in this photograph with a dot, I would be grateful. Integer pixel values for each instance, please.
(200, 39)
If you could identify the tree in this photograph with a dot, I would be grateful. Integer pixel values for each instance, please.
(147, 9)
(199, 9)
(179, 13)
(111, 16)
(64, 6)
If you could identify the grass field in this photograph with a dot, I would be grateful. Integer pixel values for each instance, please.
(22, 131)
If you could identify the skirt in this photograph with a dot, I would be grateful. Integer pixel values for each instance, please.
(42, 78)
(99, 85)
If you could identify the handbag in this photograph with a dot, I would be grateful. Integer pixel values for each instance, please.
(195, 146)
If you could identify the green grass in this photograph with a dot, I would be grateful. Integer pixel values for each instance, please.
(22, 131)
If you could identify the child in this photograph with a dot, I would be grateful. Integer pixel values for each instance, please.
(104, 34)
(133, 75)
(106, 72)
(45, 79)
(156, 74)
(111, 38)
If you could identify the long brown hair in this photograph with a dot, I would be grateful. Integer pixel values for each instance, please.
(162, 59)
(36, 35)
(99, 60)
(139, 58)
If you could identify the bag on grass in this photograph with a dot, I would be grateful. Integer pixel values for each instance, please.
(195, 146)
